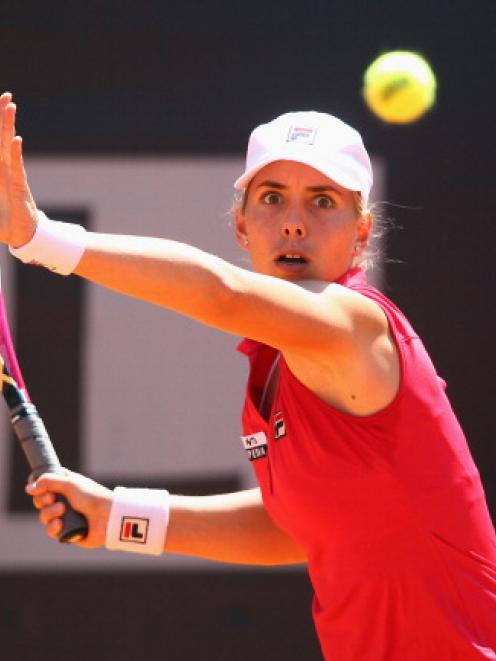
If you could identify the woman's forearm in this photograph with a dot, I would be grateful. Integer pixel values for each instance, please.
(232, 528)
(168, 273)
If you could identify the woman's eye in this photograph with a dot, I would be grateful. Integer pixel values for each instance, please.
(323, 202)
(271, 198)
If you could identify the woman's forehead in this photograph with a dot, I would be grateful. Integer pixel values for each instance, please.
(289, 172)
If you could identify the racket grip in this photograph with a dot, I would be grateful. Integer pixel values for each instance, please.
(42, 458)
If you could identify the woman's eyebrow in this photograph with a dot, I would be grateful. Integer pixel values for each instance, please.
(271, 184)
(313, 189)
(324, 189)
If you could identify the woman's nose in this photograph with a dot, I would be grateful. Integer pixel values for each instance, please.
(293, 225)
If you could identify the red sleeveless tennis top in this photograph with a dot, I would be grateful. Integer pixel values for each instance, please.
(390, 508)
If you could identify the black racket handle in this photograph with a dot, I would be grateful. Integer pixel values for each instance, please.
(42, 458)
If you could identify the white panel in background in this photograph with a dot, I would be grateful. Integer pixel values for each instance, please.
(162, 394)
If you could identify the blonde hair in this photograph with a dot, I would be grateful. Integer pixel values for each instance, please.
(373, 252)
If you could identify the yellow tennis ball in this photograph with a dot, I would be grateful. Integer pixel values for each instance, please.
(399, 87)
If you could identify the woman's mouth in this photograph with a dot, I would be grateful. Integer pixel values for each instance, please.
(291, 261)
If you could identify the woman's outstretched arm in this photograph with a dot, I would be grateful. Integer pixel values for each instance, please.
(231, 528)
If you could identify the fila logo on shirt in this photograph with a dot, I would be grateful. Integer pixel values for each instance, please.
(134, 529)
(304, 136)
(255, 445)
(279, 425)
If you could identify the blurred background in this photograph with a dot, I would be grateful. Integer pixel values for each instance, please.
(135, 118)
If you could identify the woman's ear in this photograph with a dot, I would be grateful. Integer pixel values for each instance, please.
(240, 225)
(364, 230)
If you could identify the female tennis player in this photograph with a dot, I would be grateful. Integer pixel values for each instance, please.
(363, 470)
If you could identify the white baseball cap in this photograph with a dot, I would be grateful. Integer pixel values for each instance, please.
(316, 139)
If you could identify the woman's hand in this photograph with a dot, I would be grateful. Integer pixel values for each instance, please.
(93, 500)
(17, 207)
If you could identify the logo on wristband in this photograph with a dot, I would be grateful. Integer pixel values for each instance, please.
(134, 529)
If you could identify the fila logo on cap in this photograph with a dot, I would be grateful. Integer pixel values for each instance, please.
(134, 529)
(305, 136)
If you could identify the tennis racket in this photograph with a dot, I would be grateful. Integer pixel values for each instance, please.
(30, 430)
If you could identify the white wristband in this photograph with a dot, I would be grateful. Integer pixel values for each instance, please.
(138, 521)
(56, 246)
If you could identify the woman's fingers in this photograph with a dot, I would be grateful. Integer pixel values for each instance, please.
(7, 118)
(86, 496)
(42, 501)
(8, 132)
(54, 528)
(5, 99)
(50, 512)
(19, 177)
(48, 484)
(18, 217)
